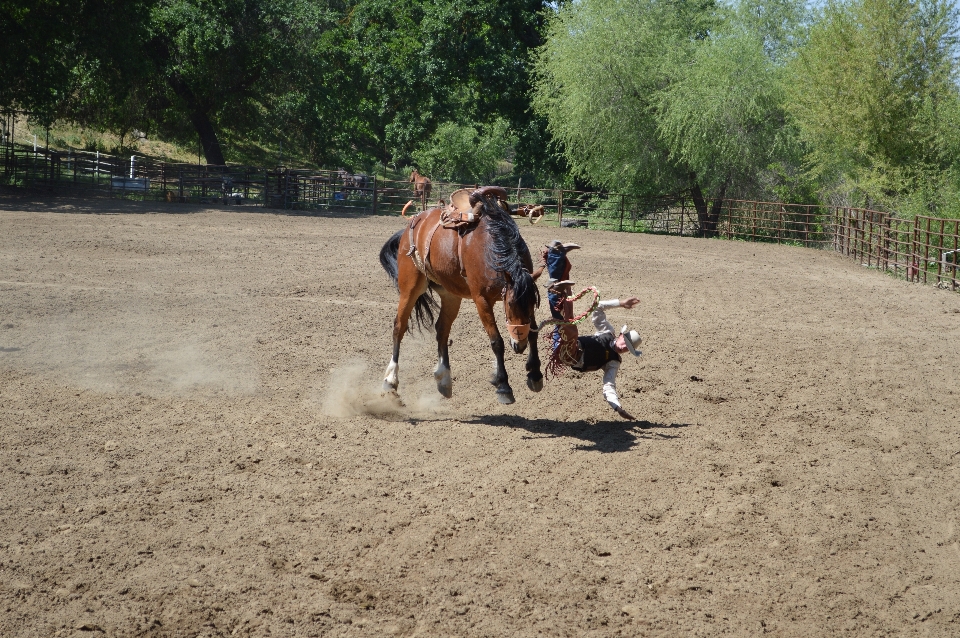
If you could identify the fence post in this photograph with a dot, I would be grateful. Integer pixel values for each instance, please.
(847, 231)
(622, 206)
(840, 233)
(886, 244)
(956, 246)
(560, 209)
(833, 227)
(941, 260)
(683, 214)
(374, 193)
(915, 262)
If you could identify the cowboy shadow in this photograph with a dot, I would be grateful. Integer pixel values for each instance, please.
(598, 436)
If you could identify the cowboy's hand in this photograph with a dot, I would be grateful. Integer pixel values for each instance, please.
(629, 303)
(626, 415)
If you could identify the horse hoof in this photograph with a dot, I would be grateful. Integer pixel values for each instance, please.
(505, 398)
(535, 385)
(389, 387)
(444, 382)
(394, 397)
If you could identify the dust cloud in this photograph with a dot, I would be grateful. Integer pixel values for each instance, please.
(135, 351)
(352, 392)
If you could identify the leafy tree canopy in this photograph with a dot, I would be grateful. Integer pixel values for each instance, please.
(652, 96)
(464, 154)
(874, 92)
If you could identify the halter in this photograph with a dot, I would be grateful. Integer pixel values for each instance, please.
(517, 331)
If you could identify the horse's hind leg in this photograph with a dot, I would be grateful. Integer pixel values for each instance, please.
(449, 309)
(412, 285)
(485, 310)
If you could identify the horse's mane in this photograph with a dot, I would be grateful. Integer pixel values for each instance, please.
(508, 255)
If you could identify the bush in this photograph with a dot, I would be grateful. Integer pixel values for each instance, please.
(462, 153)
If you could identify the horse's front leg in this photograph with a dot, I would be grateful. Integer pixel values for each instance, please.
(499, 379)
(449, 309)
(534, 375)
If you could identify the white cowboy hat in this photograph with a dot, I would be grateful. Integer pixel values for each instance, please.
(632, 339)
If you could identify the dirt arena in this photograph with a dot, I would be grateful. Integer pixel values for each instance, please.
(193, 442)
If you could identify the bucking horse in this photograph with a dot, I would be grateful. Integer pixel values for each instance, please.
(471, 249)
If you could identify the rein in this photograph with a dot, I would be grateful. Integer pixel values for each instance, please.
(564, 351)
(579, 318)
(520, 331)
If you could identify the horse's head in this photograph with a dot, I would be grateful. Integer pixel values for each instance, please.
(520, 300)
(413, 176)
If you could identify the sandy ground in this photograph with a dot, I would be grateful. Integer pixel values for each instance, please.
(193, 443)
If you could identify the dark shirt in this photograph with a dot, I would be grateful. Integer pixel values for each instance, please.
(597, 351)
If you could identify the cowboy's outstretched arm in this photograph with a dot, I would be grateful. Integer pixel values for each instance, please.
(610, 389)
(599, 316)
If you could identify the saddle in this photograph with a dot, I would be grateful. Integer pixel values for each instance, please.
(465, 210)
(466, 205)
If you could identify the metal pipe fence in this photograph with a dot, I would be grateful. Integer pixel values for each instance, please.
(796, 224)
(924, 249)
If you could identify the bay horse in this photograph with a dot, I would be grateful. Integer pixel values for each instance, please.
(486, 262)
(421, 187)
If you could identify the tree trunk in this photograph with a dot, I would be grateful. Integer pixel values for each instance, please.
(713, 219)
(699, 203)
(708, 216)
(208, 138)
(200, 117)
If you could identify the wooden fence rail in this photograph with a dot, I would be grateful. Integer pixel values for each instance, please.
(924, 249)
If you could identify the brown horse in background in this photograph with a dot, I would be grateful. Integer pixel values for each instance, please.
(421, 187)
(486, 262)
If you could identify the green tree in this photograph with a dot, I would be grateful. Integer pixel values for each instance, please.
(352, 82)
(597, 76)
(229, 63)
(425, 64)
(654, 96)
(42, 43)
(464, 154)
(722, 114)
(873, 92)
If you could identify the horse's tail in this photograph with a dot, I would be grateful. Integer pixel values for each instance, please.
(388, 255)
(426, 305)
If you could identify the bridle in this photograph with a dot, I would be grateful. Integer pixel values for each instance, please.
(517, 331)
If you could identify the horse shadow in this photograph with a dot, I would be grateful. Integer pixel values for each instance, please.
(596, 436)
